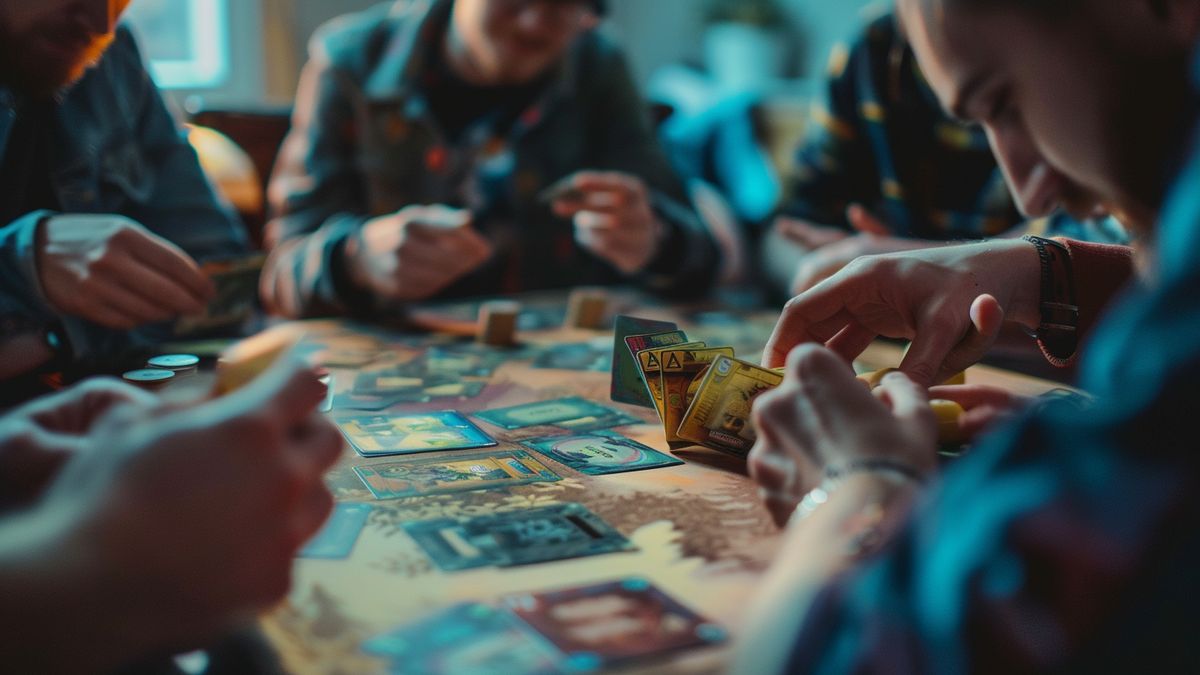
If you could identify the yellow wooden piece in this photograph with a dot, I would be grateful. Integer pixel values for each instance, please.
(948, 414)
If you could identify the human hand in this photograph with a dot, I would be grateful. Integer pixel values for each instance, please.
(191, 520)
(985, 406)
(38, 438)
(112, 271)
(831, 249)
(950, 301)
(416, 252)
(822, 417)
(807, 235)
(827, 261)
(613, 218)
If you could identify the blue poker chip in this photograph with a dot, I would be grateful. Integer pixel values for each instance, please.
(174, 361)
(148, 376)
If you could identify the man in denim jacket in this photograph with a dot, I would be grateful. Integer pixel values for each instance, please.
(426, 135)
(104, 210)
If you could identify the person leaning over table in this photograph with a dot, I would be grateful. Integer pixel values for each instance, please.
(425, 135)
(131, 528)
(105, 209)
(884, 169)
(1067, 540)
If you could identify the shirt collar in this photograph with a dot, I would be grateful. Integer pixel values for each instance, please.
(403, 59)
(403, 62)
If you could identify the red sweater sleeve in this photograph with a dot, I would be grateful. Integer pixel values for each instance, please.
(1101, 271)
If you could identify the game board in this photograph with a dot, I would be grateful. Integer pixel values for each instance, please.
(698, 530)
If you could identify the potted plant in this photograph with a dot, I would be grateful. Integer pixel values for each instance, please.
(745, 44)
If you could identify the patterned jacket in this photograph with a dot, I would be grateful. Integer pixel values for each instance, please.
(1069, 540)
(365, 144)
(116, 150)
(879, 138)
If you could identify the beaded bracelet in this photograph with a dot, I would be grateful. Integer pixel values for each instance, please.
(866, 526)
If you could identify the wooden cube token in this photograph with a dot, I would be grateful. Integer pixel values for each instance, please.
(498, 323)
(586, 309)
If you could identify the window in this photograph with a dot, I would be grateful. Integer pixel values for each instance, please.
(185, 41)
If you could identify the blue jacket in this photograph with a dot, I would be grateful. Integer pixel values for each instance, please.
(117, 150)
(1070, 540)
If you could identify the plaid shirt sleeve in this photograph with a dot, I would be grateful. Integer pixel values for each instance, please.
(836, 165)
(1039, 553)
(1069, 540)
(317, 200)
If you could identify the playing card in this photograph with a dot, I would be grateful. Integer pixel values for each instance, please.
(458, 389)
(719, 416)
(600, 453)
(236, 283)
(448, 545)
(465, 639)
(457, 473)
(385, 382)
(543, 534)
(611, 421)
(679, 369)
(526, 537)
(243, 362)
(582, 356)
(396, 387)
(407, 434)
(465, 360)
(627, 385)
(611, 623)
(336, 539)
(542, 412)
(648, 364)
(371, 403)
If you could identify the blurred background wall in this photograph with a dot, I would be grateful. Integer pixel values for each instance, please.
(249, 52)
(736, 76)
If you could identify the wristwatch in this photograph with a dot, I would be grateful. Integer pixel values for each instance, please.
(1058, 331)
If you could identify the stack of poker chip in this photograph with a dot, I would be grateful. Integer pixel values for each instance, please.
(163, 369)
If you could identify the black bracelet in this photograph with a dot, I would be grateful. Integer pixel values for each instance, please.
(1058, 306)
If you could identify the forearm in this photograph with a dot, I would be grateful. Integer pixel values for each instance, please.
(815, 551)
(22, 353)
(54, 596)
(311, 274)
(687, 262)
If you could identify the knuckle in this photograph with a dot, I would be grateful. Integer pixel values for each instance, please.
(807, 359)
(125, 233)
(793, 307)
(255, 427)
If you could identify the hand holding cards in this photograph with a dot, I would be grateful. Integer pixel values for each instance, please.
(412, 254)
(703, 394)
(235, 281)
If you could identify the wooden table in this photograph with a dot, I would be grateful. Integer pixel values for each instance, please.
(701, 533)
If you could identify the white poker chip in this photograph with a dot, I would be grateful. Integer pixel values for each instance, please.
(148, 376)
(174, 361)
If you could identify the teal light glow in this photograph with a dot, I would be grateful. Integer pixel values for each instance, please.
(202, 60)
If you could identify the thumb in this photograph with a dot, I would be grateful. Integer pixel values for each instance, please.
(807, 234)
(865, 222)
(987, 318)
(908, 400)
